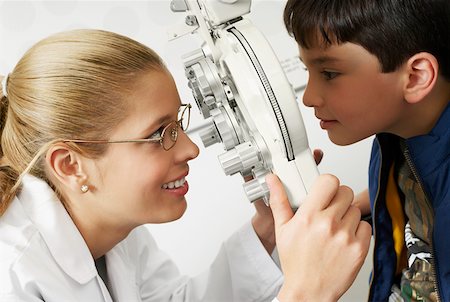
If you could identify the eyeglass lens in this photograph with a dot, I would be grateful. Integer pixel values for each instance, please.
(184, 116)
(170, 135)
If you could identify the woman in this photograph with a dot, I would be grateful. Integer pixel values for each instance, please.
(93, 147)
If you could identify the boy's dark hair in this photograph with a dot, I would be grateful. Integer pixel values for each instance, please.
(392, 30)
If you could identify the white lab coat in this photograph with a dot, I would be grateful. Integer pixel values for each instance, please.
(43, 257)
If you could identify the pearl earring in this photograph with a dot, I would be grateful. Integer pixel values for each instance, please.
(84, 188)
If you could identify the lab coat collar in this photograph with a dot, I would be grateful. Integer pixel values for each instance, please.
(57, 229)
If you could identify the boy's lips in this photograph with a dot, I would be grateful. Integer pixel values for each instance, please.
(326, 124)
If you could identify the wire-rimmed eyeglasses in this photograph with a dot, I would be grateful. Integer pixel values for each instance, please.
(167, 139)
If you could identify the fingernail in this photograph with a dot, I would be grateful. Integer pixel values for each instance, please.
(270, 178)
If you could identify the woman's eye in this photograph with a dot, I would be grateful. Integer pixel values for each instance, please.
(329, 75)
(157, 134)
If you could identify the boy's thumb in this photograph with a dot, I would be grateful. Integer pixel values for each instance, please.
(278, 201)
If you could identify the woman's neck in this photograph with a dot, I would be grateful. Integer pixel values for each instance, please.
(99, 234)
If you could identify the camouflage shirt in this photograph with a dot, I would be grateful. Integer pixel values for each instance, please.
(418, 278)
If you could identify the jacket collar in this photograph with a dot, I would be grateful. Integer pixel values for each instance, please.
(430, 150)
(57, 229)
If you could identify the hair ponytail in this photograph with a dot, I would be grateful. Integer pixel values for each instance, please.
(8, 176)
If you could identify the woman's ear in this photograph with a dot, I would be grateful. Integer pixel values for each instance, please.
(423, 71)
(66, 166)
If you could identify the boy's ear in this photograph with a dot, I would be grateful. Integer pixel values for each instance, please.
(66, 166)
(423, 70)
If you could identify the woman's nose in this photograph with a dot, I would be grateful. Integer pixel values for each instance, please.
(186, 147)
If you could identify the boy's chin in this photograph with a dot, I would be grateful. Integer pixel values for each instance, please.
(344, 141)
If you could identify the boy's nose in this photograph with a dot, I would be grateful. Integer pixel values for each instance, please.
(311, 97)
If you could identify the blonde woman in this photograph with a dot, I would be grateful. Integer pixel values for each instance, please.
(93, 147)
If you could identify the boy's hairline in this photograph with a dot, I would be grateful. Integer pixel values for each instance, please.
(335, 42)
(323, 37)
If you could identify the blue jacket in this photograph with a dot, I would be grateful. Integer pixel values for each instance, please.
(429, 157)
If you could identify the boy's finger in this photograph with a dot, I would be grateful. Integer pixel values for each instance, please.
(351, 219)
(364, 233)
(278, 202)
(318, 155)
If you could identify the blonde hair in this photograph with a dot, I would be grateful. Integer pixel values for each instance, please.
(70, 85)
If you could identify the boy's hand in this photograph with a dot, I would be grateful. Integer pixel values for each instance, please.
(362, 202)
(323, 245)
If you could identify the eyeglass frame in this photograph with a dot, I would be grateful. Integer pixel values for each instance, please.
(160, 140)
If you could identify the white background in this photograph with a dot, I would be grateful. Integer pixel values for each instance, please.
(216, 203)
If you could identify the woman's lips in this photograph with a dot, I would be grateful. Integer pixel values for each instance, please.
(180, 191)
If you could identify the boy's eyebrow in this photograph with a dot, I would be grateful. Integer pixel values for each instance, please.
(322, 59)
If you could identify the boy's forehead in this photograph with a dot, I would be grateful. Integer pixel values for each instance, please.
(332, 53)
(319, 55)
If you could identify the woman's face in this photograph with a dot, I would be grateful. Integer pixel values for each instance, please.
(141, 183)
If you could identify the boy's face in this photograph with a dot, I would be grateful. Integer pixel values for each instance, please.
(350, 95)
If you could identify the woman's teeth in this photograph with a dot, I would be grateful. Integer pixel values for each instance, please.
(174, 184)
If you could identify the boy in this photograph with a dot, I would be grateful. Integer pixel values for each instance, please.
(382, 67)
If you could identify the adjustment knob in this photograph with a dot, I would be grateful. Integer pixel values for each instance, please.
(239, 159)
(209, 100)
(224, 127)
(209, 135)
(257, 189)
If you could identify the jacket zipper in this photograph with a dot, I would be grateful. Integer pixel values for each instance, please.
(419, 181)
(373, 224)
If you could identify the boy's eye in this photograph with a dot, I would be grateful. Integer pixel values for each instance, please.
(329, 75)
(303, 66)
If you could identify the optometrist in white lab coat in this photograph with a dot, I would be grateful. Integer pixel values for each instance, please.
(35, 266)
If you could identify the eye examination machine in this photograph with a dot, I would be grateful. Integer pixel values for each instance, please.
(243, 93)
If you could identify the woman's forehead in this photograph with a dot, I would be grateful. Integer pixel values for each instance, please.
(153, 101)
(155, 89)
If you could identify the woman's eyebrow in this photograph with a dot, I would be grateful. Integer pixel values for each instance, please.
(160, 121)
(155, 124)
